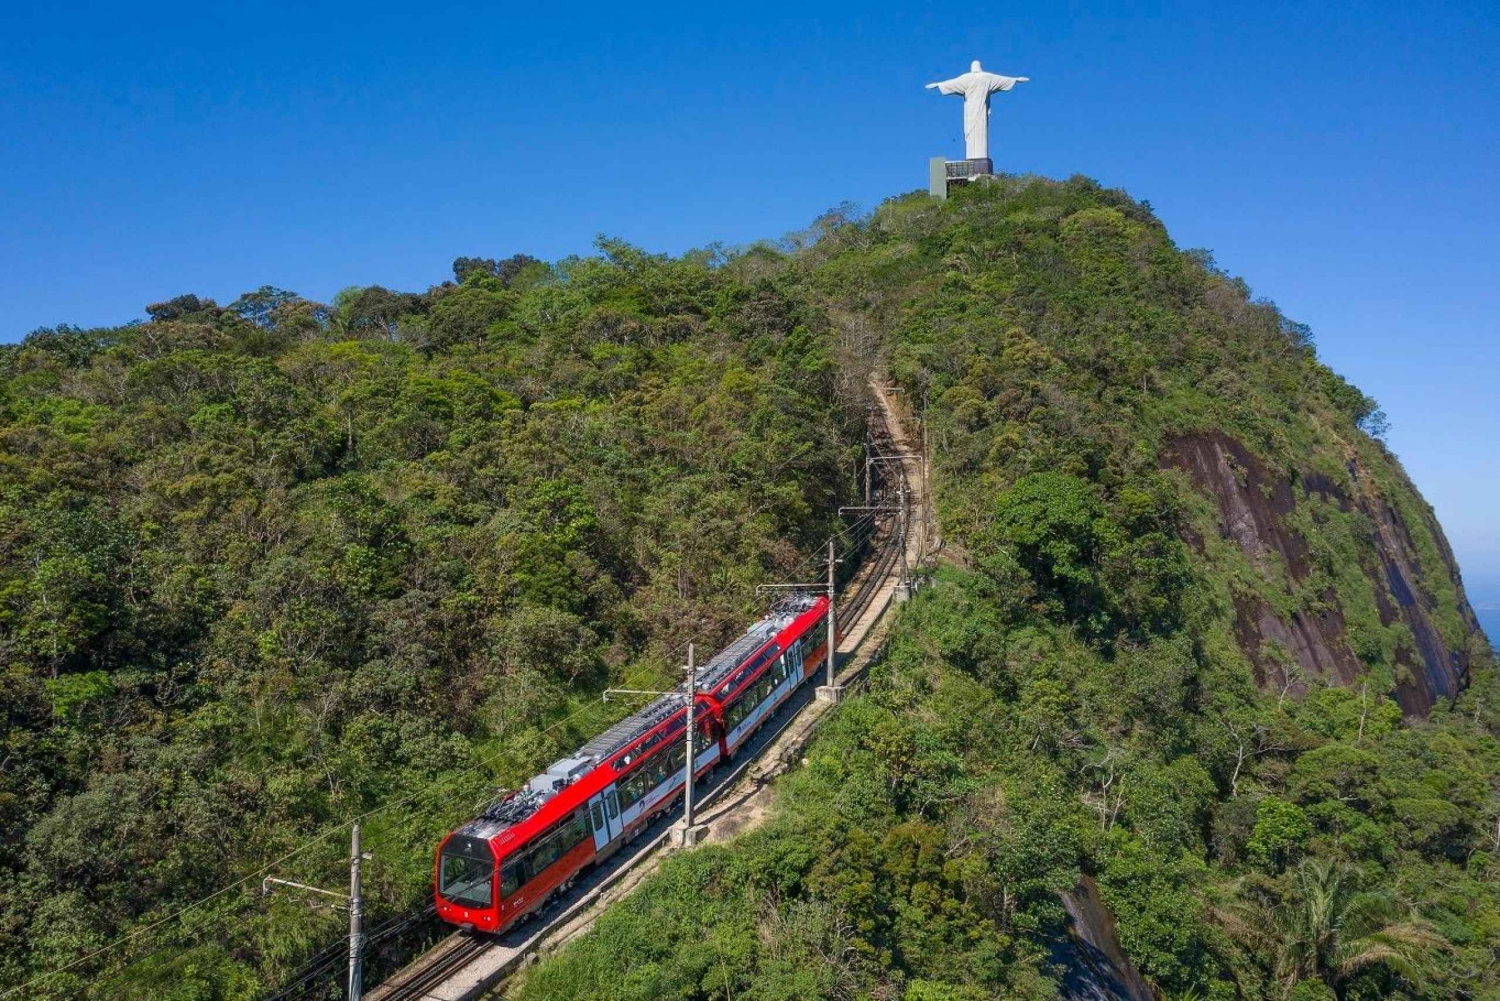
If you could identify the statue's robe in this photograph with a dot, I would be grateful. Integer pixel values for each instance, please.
(976, 88)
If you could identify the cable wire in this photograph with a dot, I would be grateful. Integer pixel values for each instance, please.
(344, 825)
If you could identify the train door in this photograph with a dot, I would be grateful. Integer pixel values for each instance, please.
(612, 812)
(599, 822)
(793, 657)
(604, 814)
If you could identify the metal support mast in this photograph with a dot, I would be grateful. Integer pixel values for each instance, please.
(905, 584)
(926, 485)
(356, 920)
(831, 692)
(833, 641)
(692, 698)
(353, 901)
(685, 832)
(868, 450)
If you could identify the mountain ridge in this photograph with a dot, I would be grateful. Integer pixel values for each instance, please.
(1194, 640)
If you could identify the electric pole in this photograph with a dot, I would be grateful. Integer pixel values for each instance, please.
(905, 584)
(353, 901)
(685, 833)
(926, 484)
(833, 642)
(692, 697)
(868, 450)
(356, 918)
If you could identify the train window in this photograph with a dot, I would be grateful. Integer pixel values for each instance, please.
(510, 878)
(611, 804)
(547, 851)
(631, 789)
(466, 880)
(598, 817)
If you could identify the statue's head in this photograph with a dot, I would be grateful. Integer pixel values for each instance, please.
(974, 66)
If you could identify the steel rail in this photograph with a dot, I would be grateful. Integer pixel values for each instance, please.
(467, 945)
(456, 958)
(471, 945)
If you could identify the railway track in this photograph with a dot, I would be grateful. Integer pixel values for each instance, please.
(456, 952)
(855, 606)
(332, 963)
(874, 574)
(426, 980)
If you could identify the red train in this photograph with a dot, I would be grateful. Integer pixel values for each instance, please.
(507, 862)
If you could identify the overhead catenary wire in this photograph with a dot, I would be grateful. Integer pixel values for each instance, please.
(817, 555)
(411, 799)
(856, 535)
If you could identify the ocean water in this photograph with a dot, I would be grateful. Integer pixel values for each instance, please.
(1489, 618)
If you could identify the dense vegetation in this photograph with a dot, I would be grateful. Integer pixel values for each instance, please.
(268, 567)
(272, 566)
(1100, 679)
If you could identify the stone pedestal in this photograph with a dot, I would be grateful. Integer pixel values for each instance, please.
(684, 836)
(943, 174)
(937, 177)
(830, 693)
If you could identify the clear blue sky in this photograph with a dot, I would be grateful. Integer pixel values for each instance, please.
(1343, 158)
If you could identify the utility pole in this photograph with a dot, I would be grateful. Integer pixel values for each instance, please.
(905, 583)
(900, 510)
(356, 919)
(692, 697)
(685, 833)
(833, 639)
(353, 901)
(831, 692)
(926, 484)
(868, 450)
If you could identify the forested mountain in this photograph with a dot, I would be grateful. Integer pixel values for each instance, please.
(1194, 647)
(269, 566)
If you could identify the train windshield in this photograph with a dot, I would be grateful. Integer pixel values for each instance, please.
(464, 879)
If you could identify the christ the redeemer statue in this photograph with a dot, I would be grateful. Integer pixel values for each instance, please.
(976, 86)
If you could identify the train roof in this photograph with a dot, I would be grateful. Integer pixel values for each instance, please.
(527, 800)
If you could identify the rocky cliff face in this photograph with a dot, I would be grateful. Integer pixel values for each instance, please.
(1295, 625)
(1093, 963)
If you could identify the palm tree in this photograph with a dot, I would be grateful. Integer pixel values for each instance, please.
(1329, 930)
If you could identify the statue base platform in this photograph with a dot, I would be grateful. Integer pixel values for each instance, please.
(943, 174)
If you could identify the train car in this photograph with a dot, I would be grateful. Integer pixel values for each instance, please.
(533, 842)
